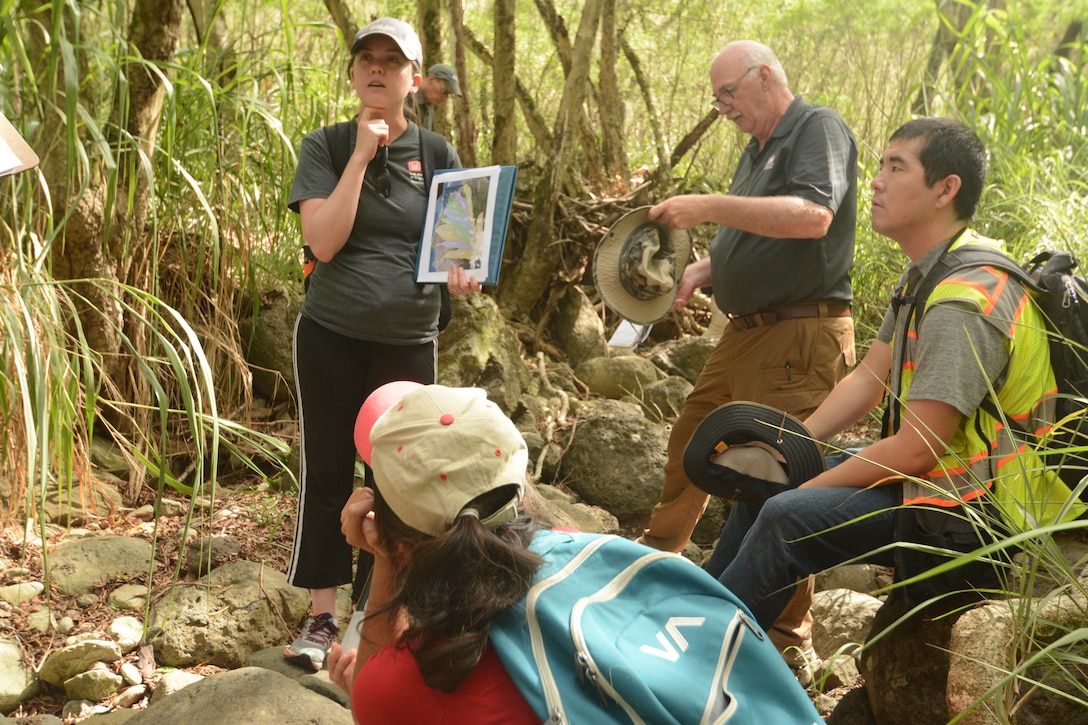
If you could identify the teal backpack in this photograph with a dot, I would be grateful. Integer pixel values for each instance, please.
(615, 632)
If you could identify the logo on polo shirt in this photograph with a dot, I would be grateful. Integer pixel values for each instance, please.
(415, 171)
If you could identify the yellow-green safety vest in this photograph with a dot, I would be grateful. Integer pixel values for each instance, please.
(984, 455)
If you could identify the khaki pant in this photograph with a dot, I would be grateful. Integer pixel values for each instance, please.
(791, 366)
(794, 626)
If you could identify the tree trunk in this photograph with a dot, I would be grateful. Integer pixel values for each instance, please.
(611, 104)
(692, 137)
(106, 200)
(557, 28)
(462, 105)
(504, 150)
(433, 37)
(1072, 39)
(341, 15)
(527, 282)
(663, 172)
(211, 29)
(952, 17)
(533, 119)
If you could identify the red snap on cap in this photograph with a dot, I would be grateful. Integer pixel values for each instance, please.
(446, 419)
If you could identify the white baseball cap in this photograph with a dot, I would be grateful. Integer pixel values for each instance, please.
(401, 33)
(438, 449)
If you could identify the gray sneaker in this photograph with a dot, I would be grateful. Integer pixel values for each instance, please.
(313, 643)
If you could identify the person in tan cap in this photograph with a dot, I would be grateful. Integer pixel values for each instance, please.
(441, 83)
(462, 578)
(449, 469)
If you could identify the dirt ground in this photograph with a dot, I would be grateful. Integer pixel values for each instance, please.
(262, 522)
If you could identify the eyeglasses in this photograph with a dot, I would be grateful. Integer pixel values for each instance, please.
(377, 173)
(725, 97)
(389, 61)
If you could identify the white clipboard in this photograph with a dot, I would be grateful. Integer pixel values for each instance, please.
(15, 154)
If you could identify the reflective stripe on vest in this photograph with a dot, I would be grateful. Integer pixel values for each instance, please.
(984, 454)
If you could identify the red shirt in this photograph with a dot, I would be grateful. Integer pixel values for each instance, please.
(390, 689)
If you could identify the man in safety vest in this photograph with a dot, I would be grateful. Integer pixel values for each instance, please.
(942, 455)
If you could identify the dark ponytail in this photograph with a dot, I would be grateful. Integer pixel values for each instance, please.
(453, 586)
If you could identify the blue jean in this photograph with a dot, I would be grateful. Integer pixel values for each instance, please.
(762, 552)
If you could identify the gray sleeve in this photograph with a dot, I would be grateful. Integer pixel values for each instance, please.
(887, 326)
(960, 355)
(315, 177)
(823, 163)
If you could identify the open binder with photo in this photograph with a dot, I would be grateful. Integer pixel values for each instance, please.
(468, 212)
(15, 154)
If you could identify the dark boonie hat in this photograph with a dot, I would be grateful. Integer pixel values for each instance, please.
(738, 423)
(638, 265)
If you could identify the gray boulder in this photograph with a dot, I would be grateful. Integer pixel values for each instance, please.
(663, 400)
(479, 349)
(73, 659)
(246, 696)
(237, 609)
(18, 683)
(685, 356)
(578, 329)
(619, 375)
(841, 618)
(91, 496)
(79, 565)
(616, 458)
(268, 338)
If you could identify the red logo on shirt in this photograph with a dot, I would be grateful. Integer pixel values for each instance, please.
(415, 166)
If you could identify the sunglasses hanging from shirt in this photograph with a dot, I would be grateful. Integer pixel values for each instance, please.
(377, 173)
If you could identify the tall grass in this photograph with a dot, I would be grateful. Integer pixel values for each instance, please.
(174, 391)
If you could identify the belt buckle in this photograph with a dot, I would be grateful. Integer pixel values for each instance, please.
(745, 322)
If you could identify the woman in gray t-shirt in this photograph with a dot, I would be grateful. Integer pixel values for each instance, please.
(360, 190)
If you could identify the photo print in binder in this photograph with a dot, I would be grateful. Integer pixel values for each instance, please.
(468, 213)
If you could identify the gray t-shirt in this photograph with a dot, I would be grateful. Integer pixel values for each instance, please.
(960, 351)
(368, 290)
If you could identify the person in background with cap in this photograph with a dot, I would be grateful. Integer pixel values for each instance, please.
(779, 267)
(441, 83)
(942, 453)
(360, 192)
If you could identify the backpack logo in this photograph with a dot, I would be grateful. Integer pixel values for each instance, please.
(667, 651)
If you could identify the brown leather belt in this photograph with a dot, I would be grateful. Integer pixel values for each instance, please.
(790, 312)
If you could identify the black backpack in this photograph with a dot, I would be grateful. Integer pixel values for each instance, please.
(1063, 298)
(338, 138)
